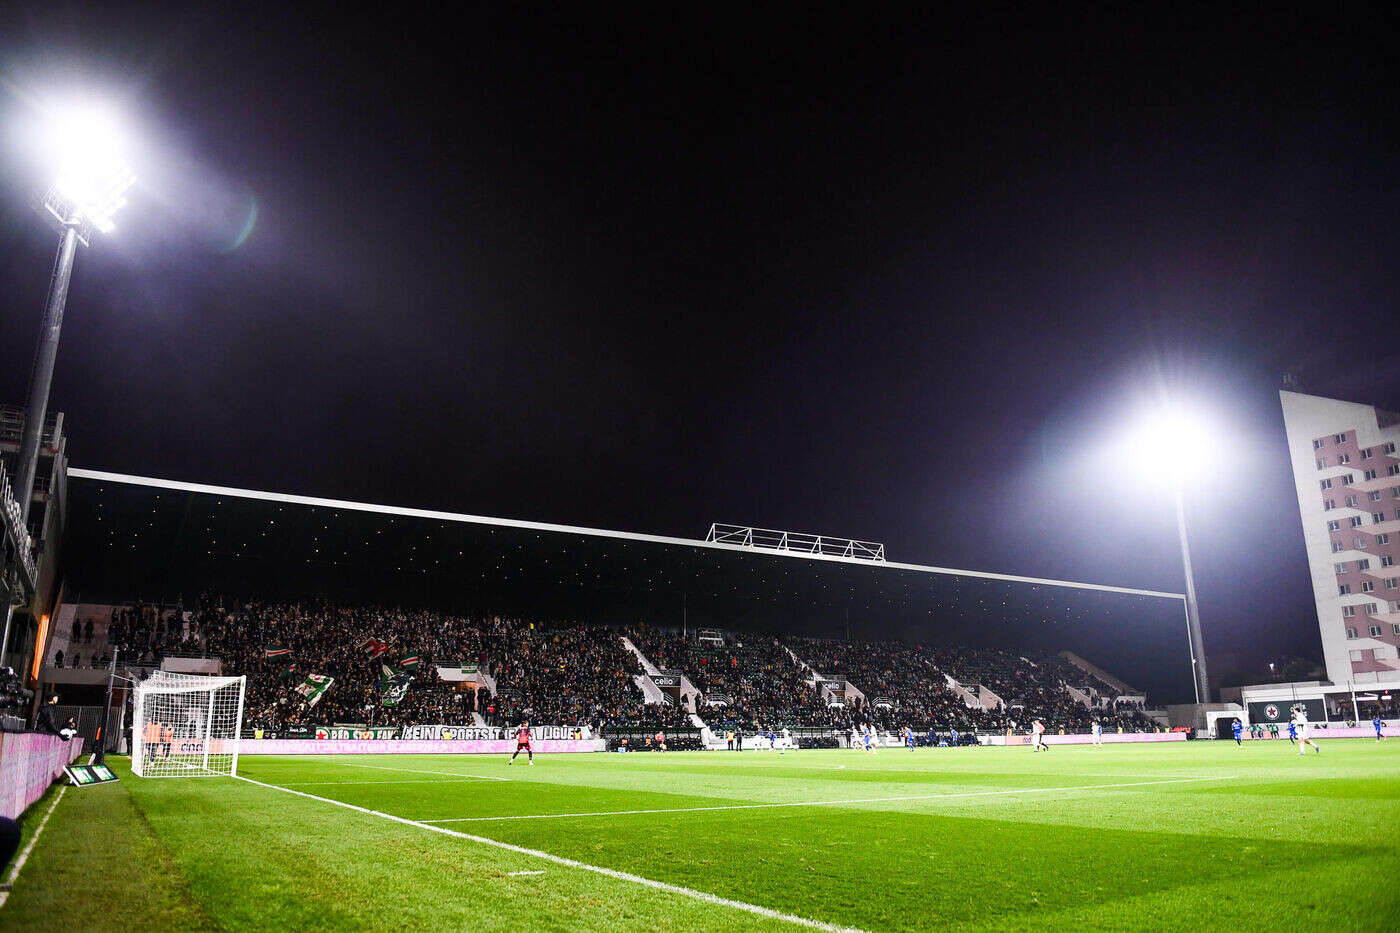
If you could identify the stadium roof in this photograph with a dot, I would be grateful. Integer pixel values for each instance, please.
(160, 540)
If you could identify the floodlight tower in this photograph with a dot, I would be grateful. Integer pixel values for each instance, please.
(88, 188)
(1169, 448)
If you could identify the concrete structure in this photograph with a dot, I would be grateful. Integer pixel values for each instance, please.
(1347, 473)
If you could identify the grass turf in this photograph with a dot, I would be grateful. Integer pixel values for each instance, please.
(1180, 836)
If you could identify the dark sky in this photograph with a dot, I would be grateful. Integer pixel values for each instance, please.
(899, 279)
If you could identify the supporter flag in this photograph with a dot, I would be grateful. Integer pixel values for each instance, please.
(374, 647)
(410, 663)
(313, 686)
(393, 685)
(271, 651)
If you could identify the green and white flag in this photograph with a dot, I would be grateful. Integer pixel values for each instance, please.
(410, 663)
(394, 685)
(313, 686)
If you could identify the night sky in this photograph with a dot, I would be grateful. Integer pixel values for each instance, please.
(898, 279)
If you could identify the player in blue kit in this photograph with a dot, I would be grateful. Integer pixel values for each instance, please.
(1237, 729)
(908, 738)
(1376, 722)
(1292, 732)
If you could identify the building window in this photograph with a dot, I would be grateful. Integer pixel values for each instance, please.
(1351, 634)
(1389, 447)
(1358, 543)
(1387, 561)
(1338, 546)
(1340, 438)
(1367, 476)
(1368, 586)
(1334, 525)
(1317, 443)
(1343, 589)
(1392, 583)
(1322, 463)
(1356, 521)
(1344, 458)
(1375, 631)
(1374, 495)
(1393, 470)
(1395, 492)
(1326, 483)
(1395, 628)
(1366, 453)
(1329, 504)
(1348, 612)
(1383, 538)
(1347, 479)
(1377, 517)
(1352, 502)
(1363, 564)
(1370, 609)
(1340, 568)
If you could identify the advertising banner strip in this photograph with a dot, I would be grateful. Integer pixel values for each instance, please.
(409, 747)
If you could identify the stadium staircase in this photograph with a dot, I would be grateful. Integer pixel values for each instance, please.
(988, 699)
(1079, 696)
(647, 666)
(970, 699)
(1100, 674)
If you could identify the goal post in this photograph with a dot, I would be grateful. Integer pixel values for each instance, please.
(186, 725)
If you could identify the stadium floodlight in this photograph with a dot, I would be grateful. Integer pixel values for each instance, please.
(1171, 447)
(91, 179)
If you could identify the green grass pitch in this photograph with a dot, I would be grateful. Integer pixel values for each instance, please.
(1200, 835)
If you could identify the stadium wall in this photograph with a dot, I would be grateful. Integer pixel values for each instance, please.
(410, 746)
(29, 763)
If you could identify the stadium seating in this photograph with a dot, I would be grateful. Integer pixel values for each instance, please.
(573, 674)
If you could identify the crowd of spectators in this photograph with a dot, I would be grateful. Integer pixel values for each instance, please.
(749, 682)
(573, 674)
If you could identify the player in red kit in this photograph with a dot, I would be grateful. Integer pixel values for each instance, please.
(522, 743)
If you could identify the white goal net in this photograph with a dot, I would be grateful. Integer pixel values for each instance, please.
(186, 725)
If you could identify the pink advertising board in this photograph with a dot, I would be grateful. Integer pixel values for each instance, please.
(409, 746)
(29, 763)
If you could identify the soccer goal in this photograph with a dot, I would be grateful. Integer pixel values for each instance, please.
(186, 725)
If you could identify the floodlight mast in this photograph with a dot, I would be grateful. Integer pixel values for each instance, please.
(82, 199)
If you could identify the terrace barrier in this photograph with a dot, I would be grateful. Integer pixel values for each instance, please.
(29, 763)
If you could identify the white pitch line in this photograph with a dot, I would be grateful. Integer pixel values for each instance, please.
(571, 863)
(456, 774)
(406, 781)
(518, 874)
(24, 856)
(819, 803)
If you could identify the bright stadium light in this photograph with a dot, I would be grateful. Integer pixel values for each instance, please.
(93, 174)
(91, 177)
(1171, 446)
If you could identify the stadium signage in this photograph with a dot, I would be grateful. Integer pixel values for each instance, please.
(357, 733)
(666, 680)
(835, 686)
(1282, 710)
(444, 733)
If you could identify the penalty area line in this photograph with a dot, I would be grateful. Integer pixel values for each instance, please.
(652, 883)
(820, 803)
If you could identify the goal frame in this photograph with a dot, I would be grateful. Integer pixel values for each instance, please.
(174, 753)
